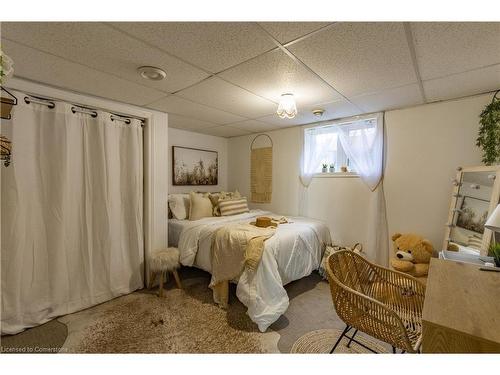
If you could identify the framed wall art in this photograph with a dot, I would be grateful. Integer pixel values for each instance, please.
(192, 166)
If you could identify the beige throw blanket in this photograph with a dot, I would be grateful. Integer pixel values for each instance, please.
(261, 175)
(235, 247)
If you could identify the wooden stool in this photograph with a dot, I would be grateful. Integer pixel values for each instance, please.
(162, 262)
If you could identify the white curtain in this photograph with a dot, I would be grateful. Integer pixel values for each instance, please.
(364, 146)
(72, 207)
(362, 141)
(311, 156)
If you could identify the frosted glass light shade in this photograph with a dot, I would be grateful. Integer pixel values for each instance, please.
(287, 107)
(493, 222)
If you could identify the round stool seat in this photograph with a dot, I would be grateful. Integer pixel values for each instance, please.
(164, 260)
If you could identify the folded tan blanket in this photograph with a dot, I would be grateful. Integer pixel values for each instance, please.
(235, 246)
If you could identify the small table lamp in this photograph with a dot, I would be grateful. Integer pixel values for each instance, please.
(493, 222)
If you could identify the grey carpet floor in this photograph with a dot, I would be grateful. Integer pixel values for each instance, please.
(310, 309)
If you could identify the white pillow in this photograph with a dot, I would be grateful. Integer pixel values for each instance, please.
(200, 206)
(179, 205)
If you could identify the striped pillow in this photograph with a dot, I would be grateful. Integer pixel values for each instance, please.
(475, 242)
(233, 206)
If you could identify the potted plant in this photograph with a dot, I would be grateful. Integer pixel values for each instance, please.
(7, 100)
(332, 168)
(325, 168)
(494, 251)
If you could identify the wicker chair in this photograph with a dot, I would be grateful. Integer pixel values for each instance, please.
(380, 302)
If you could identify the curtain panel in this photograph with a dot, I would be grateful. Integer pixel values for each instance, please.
(363, 144)
(72, 213)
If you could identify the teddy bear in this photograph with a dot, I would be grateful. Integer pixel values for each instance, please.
(413, 254)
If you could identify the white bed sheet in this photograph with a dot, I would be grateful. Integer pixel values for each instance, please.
(292, 253)
(175, 228)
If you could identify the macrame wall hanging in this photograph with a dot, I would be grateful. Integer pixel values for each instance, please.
(261, 171)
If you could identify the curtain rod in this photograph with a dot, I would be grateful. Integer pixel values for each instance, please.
(78, 108)
(330, 123)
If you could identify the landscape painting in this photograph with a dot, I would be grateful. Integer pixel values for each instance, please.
(473, 214)
(192, 166)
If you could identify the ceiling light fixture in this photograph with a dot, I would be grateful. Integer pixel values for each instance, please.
(152, 73)
(318, 112)
(287, 107)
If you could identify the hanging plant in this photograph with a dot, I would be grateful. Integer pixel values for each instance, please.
(489, 132)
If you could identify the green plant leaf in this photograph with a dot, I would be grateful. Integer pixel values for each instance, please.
(489, 132)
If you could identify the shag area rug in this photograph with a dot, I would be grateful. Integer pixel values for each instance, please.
(185, 321)
(323, 340)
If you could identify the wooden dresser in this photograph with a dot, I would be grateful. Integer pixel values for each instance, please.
(461, 309)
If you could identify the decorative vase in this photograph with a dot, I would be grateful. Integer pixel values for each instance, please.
(324, 169)
(332, 169)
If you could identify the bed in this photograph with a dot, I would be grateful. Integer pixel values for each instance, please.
(293, 252)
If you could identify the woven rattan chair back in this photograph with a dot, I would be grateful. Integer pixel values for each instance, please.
(383, 303)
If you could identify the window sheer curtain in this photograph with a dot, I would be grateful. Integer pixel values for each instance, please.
(311, 156)
(72, 213)
(364, 146)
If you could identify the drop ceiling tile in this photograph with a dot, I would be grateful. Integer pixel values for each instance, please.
(104, 48)
(275, 73)
(463, 84)
(224, 131)
(222, 95)
(358, 58)
(38, 66)
(182, 122)
(275, 120)
(213, 46)
(254, 126)
(333, 110)
(444, 48)
(176, 104)
(285, 32)
(390, 99)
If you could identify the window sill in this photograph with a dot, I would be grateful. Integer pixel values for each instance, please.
(336, 175)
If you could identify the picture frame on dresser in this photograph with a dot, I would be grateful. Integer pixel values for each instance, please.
(194, 166)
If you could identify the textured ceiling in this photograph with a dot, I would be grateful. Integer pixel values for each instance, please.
(225, 78)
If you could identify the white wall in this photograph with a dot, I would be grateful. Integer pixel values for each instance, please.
(177, 137)
(424, 146)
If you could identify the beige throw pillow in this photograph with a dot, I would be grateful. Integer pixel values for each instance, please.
(215, 198)
(201, 206)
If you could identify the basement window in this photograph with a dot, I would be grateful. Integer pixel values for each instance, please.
(323, 146)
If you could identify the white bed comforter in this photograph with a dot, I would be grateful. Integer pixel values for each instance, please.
(292, 253)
